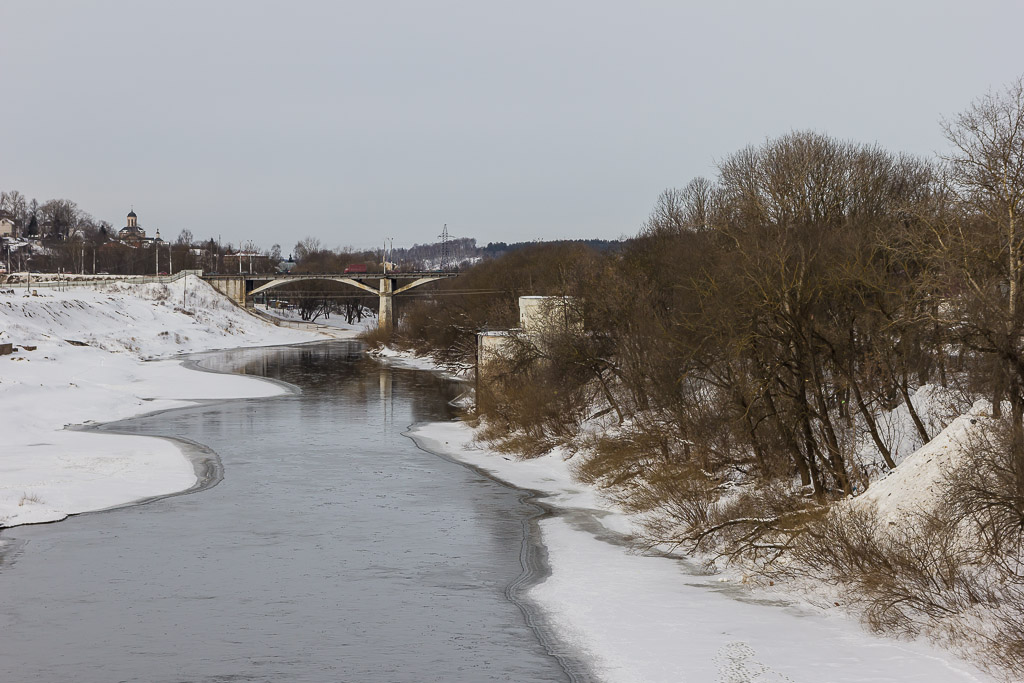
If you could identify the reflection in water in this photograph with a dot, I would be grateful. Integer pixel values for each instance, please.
(333, 549)
(385, 392)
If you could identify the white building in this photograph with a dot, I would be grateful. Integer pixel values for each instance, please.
(538, 316)
(541, 314)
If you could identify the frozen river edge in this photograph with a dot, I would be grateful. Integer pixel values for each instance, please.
(649, 618)
(206, 463)
(93, 356)
(96, 467)
(533, 560)
(218, 386)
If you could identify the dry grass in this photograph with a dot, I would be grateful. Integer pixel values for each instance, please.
(376, 337)
(29, 498)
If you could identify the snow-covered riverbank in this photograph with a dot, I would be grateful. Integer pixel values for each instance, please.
(102, 355)
(96, 360)
(648, 618)
(337, 322)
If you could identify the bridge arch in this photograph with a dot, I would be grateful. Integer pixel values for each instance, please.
(273, 284)
(241, 288)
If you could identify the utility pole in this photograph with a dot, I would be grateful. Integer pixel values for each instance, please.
(445, 252)
(384, 260)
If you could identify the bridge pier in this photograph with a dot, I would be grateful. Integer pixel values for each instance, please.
(386, 310)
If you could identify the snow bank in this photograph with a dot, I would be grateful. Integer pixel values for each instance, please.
(87, 366)
(337, 321)
(403, 359)
(651, 618)
(409, 359)
(936, 407)
(914, 485)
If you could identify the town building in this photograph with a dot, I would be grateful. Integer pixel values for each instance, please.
(133, 231)
(134, 234)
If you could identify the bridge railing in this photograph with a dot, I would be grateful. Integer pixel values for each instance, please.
(62, 280)
(401, 275)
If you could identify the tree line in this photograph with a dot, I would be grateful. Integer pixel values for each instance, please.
(58, 235)
(56, 218)
(745, 353)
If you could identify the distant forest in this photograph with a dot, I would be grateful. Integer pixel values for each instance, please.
(68, 238)
(463, 251)
(494, 249)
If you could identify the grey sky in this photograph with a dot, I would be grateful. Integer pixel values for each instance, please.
(513, 121)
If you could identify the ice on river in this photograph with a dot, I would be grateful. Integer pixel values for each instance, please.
(647, 619)
(79, 359)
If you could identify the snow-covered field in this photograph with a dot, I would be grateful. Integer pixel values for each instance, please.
(47, 472)
(650, 618)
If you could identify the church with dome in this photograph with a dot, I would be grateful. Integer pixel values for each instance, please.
(133, 232)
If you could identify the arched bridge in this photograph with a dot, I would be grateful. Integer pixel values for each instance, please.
(241, 288)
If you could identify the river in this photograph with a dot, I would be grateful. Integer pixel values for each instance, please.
(323, 546)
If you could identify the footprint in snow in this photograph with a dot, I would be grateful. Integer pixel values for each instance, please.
(736, 664)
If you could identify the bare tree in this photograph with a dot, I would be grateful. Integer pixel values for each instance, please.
(59, 217)
(13, 206)
(306, 247)
(986, 175)
(680, 209)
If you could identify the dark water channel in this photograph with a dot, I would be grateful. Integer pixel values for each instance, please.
(332, 550)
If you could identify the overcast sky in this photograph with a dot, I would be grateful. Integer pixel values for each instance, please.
(352, 121)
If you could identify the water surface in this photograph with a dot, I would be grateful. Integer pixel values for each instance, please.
(332, 550)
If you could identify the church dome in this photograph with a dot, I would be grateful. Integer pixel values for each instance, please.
(131, 214)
